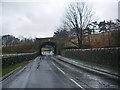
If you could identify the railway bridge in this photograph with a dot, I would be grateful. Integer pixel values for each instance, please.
(55, 43)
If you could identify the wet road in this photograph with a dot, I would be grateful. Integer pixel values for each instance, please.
(45, 72)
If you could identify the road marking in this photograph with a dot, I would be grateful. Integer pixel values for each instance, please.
(54, 64)
(77, 84)
(61, 70)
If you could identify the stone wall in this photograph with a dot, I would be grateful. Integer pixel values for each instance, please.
(101, 56)
(8, 60)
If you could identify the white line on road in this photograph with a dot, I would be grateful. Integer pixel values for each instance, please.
(53, 64)
(61, 70)
(58, 68)
(77, 84)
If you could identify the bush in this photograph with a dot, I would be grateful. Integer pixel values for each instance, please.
(20, 48)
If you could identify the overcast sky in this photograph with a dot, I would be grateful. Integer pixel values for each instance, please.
(40, 19)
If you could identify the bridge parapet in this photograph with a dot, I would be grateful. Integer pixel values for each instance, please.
(48, 41)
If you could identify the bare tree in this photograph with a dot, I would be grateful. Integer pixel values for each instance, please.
(78, 17)
(9, 40)
(118, 24)
(61, 33)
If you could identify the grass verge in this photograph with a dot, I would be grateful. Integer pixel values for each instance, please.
(45, 49)
(13, 67)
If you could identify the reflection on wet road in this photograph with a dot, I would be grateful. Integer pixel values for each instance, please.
(44, 72)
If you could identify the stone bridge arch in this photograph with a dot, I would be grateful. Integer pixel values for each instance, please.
(53, 44)
(40, 42)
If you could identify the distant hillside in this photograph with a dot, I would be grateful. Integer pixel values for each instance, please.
(20, 48)
(108, 39)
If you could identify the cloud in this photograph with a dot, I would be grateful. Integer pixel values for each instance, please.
(31, 18)
(40, 19)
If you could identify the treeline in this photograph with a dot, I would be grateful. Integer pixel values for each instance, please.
(10, 40)
(20, 48)
(97, 34)
(78, 24)
(11, 44)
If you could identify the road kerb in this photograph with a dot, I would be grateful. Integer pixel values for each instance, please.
(91, 69)
(10, 73)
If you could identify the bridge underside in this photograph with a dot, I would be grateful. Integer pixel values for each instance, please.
(55, 43)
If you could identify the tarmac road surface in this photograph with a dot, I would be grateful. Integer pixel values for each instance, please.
(44, 72)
